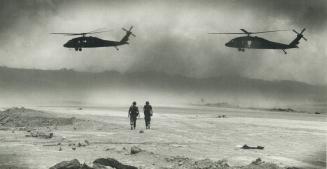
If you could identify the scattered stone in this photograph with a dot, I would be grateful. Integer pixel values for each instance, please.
(317, 113)
(109, 149)
(249, 147)
(135, 150)
(283, 110)
(60, 149)
(40, 134)
(221, 116)
(257, 161)
(87, 142)
(141, 131)
(176, 158)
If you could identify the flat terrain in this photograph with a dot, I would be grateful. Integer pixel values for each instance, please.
(290, 138)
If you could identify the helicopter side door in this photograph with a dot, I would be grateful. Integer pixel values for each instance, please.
(246, 43)
(249, 43)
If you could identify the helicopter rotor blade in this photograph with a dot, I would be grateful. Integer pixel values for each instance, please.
(268, 31)
(82, 33)
(130, 28)
(100, 30)
(97, 32)
(224, 33)
(249, 33)
(295, 31)
(67, 34)
(303, 30)
(246, 32)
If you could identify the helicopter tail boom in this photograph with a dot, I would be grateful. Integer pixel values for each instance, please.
(296, 41)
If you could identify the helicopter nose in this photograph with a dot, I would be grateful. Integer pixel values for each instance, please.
(228, 44)
(65, 45)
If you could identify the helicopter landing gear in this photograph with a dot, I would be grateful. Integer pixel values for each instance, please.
(284, 51)
(241, 49)
(78, 49)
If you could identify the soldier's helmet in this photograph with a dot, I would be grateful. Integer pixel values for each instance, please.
(147, 103)
(134, 102)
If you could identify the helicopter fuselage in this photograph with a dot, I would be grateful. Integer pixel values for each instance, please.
(91, 42)
(254, 42)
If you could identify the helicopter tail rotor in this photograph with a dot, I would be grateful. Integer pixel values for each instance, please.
(129, 31)
(300, 34)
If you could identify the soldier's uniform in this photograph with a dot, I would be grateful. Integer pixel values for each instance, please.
(147, 114)
(133, 112)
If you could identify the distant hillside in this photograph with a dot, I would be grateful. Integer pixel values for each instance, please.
(88, 87)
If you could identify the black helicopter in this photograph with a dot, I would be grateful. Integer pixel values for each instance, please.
(94, 42)
(254, 42)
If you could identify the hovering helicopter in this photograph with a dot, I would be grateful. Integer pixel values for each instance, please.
(255, 42)
(93, 42)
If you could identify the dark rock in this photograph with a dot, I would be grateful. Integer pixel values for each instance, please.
(73, 164)
(99, 166)
(84, 166)
(112, 163)
(135, 150)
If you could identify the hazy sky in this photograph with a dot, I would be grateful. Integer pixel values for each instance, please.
(171, 36)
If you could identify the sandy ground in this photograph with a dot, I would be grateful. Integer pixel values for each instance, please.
(289, 138)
